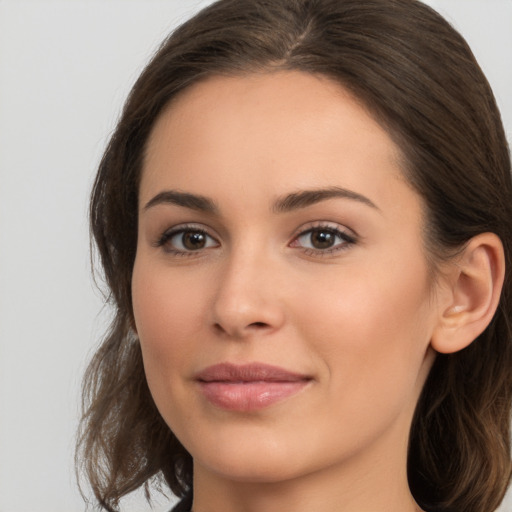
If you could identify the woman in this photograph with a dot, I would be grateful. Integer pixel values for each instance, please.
(304, 219)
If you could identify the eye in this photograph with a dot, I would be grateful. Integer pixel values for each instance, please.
(183, 240)
(323, 239)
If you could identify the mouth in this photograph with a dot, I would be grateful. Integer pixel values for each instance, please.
(249, 387)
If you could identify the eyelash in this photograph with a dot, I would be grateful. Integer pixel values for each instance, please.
(181, 230)
(347, 240)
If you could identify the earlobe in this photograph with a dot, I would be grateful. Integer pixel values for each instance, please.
(475, 281)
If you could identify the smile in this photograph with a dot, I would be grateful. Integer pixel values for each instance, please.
(248, 387)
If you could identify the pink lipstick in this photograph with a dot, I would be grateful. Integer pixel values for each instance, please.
(248, 387)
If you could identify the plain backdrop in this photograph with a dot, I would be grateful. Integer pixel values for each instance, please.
(65, 69)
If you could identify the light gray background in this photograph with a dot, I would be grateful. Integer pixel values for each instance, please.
(65, 69)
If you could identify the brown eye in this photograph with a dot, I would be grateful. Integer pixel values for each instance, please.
(323, 240)
(193, 240)
(183, 241)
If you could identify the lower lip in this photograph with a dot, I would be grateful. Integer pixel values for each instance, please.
(249, 396)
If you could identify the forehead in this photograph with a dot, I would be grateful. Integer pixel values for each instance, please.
(270, 130)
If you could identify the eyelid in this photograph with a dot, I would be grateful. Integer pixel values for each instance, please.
(169, 233)
(348, 236)
(327, 225)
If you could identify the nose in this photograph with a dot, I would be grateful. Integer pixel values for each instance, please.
(247, 299)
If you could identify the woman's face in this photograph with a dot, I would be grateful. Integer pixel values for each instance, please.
(281, 291)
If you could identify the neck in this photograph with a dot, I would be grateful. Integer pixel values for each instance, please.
(370, 482)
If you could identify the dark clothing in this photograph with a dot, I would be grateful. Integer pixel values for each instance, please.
(185, 504)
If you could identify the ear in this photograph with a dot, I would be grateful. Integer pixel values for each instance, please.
(474, 282)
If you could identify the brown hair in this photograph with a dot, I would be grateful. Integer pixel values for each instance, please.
(418, 77)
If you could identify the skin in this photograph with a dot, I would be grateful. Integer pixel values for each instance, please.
(357, 318)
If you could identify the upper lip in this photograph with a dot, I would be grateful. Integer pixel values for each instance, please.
(252, 372)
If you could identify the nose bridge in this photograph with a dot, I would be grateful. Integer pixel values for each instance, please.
(246, 299)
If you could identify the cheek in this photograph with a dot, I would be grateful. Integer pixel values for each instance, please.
(372, 336)
(168, 318)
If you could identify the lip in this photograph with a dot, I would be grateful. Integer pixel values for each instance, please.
(248, 387)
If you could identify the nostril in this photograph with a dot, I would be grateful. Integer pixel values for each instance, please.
(218, 328)
(240, 333)
(258, 324)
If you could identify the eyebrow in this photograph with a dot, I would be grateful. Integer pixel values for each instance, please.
(192, 201)
(307, 198)
(287, 203)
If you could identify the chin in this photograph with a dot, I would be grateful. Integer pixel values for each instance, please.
(250, 462)
(257, 472)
